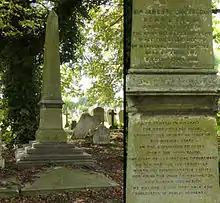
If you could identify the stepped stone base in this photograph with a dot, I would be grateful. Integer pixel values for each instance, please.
(39, 154)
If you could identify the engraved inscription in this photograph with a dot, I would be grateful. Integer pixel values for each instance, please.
(171, 157)
(164, 37)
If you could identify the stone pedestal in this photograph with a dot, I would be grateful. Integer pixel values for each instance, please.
(172, 92)
(172, 150)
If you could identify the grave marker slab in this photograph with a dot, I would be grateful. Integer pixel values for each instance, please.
(98, 112)
(85, 124)
(101, 135)
(63, 179)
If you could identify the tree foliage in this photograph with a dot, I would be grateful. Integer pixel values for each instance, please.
(100, 56)
(216, 21)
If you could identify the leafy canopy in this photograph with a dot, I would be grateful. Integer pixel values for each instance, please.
(100, 56)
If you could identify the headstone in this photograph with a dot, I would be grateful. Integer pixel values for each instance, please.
(2, 161)
(111, 117)
(121, 116)
(86, 124)
(101, 135)
(98, 112)
(105, 116)
(172, 92)
(51, 140)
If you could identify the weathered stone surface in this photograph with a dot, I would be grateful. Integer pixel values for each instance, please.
(98, 113)
(121, 116)
(105, 116)
(171, 34)
(166, 104)
(171, 48)
(170, 83)
(101, 135)
(50, 127)
(172, 91)
(52, 144)
(172, 158)
(8, 187)
(64, 179)
(86, 124)
(38, 154)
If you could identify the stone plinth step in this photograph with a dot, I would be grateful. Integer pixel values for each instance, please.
(55, 157)
(30, 150)
(37, 163)
(52, 145)
(38, 154)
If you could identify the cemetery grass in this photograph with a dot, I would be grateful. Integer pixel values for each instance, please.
(109, 162)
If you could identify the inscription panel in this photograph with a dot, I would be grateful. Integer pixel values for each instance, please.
(171, 34)
(172, 158)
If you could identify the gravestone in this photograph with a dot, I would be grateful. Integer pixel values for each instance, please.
(101, 135)
(105, 116)
(2, 161)
(86, 124)
(121, 116)
(108, 116)
(172, 92)
(111, 117)
(51, 140)
(98, 112)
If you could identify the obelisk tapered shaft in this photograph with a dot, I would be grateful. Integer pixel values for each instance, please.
(50, 127)
(51, 75)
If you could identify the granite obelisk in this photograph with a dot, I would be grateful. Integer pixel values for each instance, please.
(51, 140)
(50, 128)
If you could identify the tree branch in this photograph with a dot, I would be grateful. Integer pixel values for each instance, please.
(215, 11)
(116, 21)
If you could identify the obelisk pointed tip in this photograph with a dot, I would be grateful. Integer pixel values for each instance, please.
(52, 12)
(52, 15)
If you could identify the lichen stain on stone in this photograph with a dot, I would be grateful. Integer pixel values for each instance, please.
(136, 118)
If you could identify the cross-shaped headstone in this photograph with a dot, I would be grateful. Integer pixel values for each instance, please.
(112, 113)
